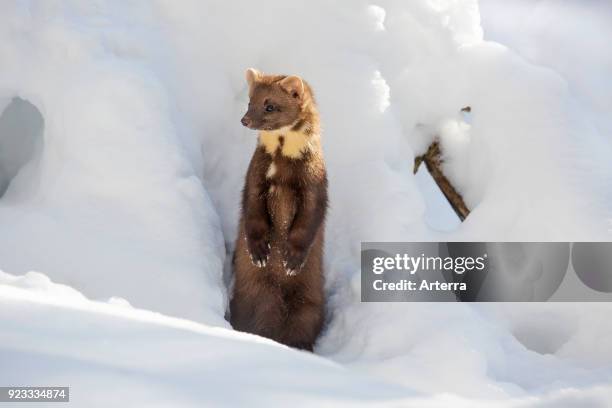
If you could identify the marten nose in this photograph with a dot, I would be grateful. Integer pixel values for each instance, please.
(245, 121)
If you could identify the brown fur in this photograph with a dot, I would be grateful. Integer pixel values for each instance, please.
(278, 260)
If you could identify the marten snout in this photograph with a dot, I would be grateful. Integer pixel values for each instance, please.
(260, 118)
(254, 120)
(246, 121)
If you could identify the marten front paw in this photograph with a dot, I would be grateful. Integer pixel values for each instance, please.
(259, 250)
(293, 259)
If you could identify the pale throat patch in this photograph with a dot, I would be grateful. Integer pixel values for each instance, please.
(294, 145)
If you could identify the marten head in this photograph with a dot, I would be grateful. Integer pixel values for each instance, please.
(275, 101)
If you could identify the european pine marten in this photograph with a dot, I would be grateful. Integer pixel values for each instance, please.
(278, 259)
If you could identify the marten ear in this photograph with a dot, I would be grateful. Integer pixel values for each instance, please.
(252, 76)
(293, 85)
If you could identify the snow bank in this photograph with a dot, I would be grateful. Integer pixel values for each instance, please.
(113, 206)
(135, 193)
(570, 38)
(113, 354)
(116, 355)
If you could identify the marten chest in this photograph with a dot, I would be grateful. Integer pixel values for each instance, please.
(284, 179)
(283, 193)
(286, 157)
(280, 171)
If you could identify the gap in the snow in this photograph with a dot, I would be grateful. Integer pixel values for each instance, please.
(439, 215)
(21, 136)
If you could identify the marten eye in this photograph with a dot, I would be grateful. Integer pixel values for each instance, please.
(269, 108)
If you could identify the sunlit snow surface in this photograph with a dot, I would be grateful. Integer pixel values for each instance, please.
(133, 196)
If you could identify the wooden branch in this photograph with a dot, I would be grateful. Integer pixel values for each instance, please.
(433, 162)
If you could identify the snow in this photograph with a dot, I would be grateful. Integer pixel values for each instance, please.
(113, 205)
(571, 39)
(129, 207)
(113, 354)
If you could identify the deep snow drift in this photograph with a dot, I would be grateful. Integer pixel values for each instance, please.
(113, 355)
(134, 190)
